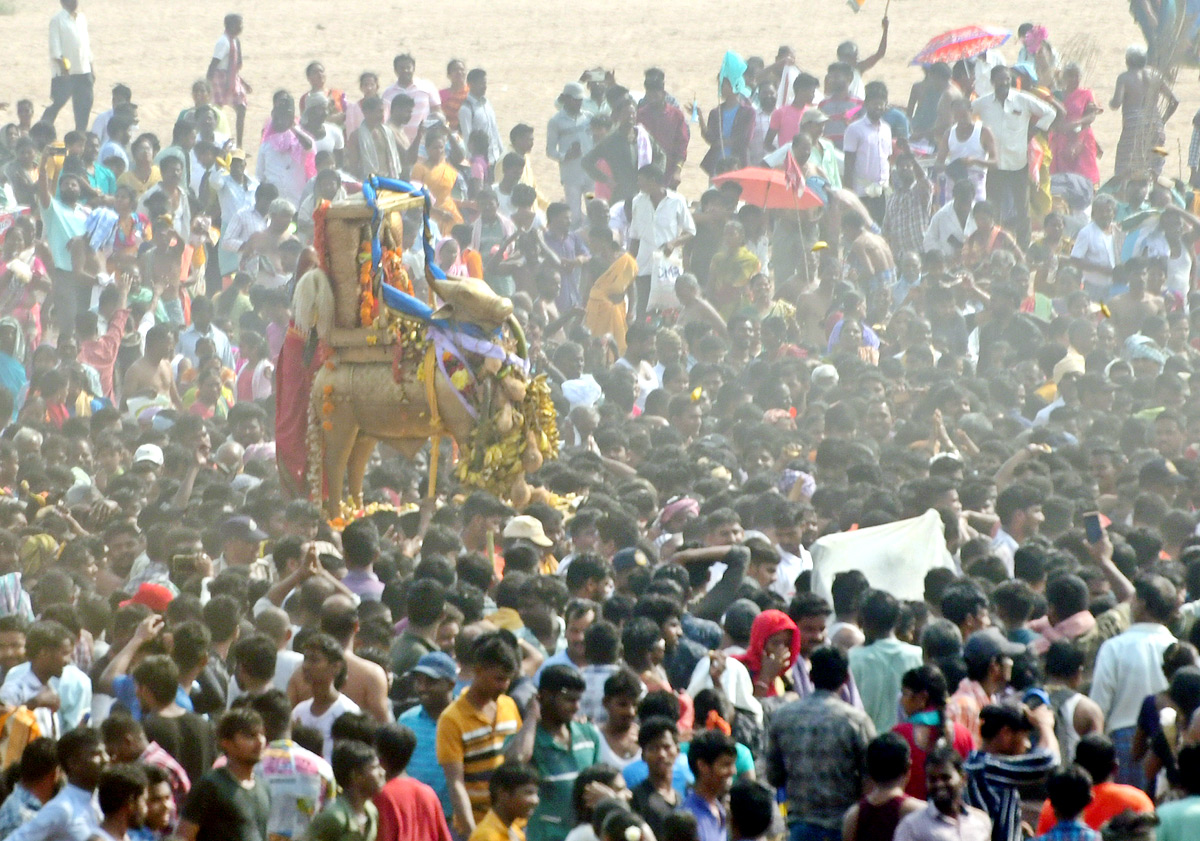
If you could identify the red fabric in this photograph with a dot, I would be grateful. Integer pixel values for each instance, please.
(767, 624)
(293, 382)
(101, 352)
(409, 810)
(962, 743)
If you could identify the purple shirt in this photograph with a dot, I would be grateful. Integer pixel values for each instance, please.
(711, 827)
(365, 584)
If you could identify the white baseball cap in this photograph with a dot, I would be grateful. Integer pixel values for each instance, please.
(149, 452)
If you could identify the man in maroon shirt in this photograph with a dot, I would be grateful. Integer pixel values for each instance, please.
(667, 124)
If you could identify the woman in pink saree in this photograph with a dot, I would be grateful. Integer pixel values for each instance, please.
(1072, 143)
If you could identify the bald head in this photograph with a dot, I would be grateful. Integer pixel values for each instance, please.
(274, 623)
(339, 618)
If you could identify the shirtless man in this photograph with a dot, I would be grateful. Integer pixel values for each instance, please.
(694, 307)
(1131, 309)
(869, 260)
(366, 683)
(1138, 94)
(261, 255)
(151, 375)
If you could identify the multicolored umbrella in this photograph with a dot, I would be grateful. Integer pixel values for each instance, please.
(960, 44)
(768, 189)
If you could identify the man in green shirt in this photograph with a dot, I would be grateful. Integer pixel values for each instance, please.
(561, 748)
(879, 665)
(352, 816)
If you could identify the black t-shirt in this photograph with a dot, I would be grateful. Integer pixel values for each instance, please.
(652, 806)
(225, 810)
(188, 738)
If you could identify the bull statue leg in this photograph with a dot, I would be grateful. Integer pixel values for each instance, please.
(356, 468)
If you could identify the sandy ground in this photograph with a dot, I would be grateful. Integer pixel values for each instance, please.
(530, 48)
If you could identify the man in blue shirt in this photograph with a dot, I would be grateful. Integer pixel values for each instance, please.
(711, 756)
(433, 680)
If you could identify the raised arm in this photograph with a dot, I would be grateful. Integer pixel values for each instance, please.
(869, 62)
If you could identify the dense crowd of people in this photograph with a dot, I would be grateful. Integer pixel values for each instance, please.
(953, 313)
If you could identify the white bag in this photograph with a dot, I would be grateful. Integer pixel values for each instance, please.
(664, 271)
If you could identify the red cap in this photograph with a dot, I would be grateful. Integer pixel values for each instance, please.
(154, 596)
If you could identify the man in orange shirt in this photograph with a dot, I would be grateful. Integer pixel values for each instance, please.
(1097, 756)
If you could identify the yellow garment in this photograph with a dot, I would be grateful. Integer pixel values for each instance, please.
(1040, 201)
(129, 179)
(440, 180)
(728, 275)
(603, 315)
(527, 177)
(491, 828)
(54, 156)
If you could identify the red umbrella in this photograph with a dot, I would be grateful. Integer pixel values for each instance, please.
(768, 189)
(960, 44)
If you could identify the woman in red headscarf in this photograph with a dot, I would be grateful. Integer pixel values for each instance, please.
(774, 646)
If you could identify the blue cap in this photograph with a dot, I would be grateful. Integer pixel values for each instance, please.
(629, 558)
(437, 665)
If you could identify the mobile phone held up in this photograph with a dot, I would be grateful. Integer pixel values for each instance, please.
(1092, 527)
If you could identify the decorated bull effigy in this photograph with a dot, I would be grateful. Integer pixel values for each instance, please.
(366, 361)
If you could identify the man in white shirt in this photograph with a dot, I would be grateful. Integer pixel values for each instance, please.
(868, 148)
(568, 138)
(477, 114)
(661, 222)
(1129, 667)
(244, 224)
(1094, 253)
(71, 65)
(1008, 114)
(36, 684)
(953, 223)
(202, 327)
(122, 97)
(427, 102)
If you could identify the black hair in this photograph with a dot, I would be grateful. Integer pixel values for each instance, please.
(348, 757)
(491, 650)
(160, 675)
(1070, 791)
(751, 807)
(39, 759)
(599, 773)
(651, 728)
(1064, 660)
(623, 683)
(511, 776)
(888, 758)
(638, 637)
(709, 746)
(239, 721)
(120, 784)
(395, 744)
(829, 668)
(561, 678)
(275, 712)
(426, 602)
(962, 600)
(1096, 754)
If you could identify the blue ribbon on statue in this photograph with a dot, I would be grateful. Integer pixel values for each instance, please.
(392, 297)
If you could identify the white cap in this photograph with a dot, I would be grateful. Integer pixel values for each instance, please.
(149, 452)
(825, 375)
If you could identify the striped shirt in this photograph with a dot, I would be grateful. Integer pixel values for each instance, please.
(994, 785)
(558, 765)
(466, 735)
